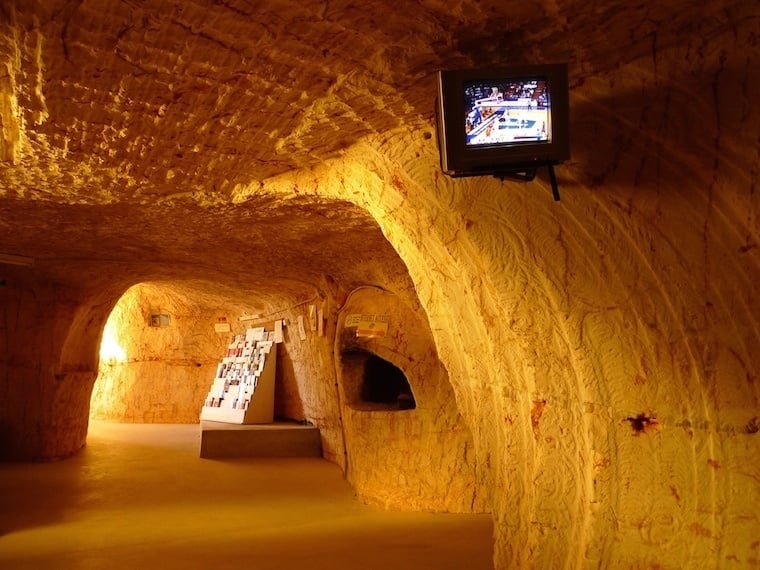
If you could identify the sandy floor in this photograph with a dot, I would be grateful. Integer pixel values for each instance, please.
(139, 497)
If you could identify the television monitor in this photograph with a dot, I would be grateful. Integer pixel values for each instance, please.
(501, 120)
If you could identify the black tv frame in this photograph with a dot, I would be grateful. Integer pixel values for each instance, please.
(518, 161)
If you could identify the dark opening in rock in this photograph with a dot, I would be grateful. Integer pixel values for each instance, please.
(643, 424)
(384, 383)
(373, 383)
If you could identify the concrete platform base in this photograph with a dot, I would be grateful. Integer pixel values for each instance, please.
(278, 439)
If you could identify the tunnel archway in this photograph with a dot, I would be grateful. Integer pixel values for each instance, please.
(157, 353)
(155, 356)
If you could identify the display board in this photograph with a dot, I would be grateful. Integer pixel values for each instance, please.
(243, 389)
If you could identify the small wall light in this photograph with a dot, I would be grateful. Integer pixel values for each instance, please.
(159, 320)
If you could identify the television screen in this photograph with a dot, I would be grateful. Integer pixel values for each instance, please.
(507, 112)
(499, 120)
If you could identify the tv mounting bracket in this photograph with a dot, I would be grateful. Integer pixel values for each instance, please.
(528, 174)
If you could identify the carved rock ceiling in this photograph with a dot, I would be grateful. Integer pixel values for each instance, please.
(130, 124)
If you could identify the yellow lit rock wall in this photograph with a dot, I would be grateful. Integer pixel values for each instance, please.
(415, 459)
(305, 388)
(48, 339)
(603, 350)
(156, 374)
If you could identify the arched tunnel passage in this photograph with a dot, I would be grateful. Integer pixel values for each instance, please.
(157, 372)
(289, 257)
(302, 264)
(153, 374)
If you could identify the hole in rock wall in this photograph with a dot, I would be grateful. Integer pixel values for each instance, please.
(384, 383)
(643, 423)
(374, 383)
(396, 402)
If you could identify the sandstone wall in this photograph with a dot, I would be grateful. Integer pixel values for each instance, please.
(409, 459)
(305, 389)
(603, 349)
(48, 344)
(157, 374)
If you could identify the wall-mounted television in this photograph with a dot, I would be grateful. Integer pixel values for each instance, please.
(501, 120)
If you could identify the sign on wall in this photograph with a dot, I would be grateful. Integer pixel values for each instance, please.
(368, 325)
(221, 325)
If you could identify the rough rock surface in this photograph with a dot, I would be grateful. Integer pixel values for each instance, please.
(426, 451)
(604, 352)
(157, 374)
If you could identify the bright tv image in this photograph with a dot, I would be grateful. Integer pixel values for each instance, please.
(507, 112)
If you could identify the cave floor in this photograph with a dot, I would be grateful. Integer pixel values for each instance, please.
(138, 496)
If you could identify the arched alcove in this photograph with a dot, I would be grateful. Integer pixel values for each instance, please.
(373, 383)
(396, 401)
(386, 384)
